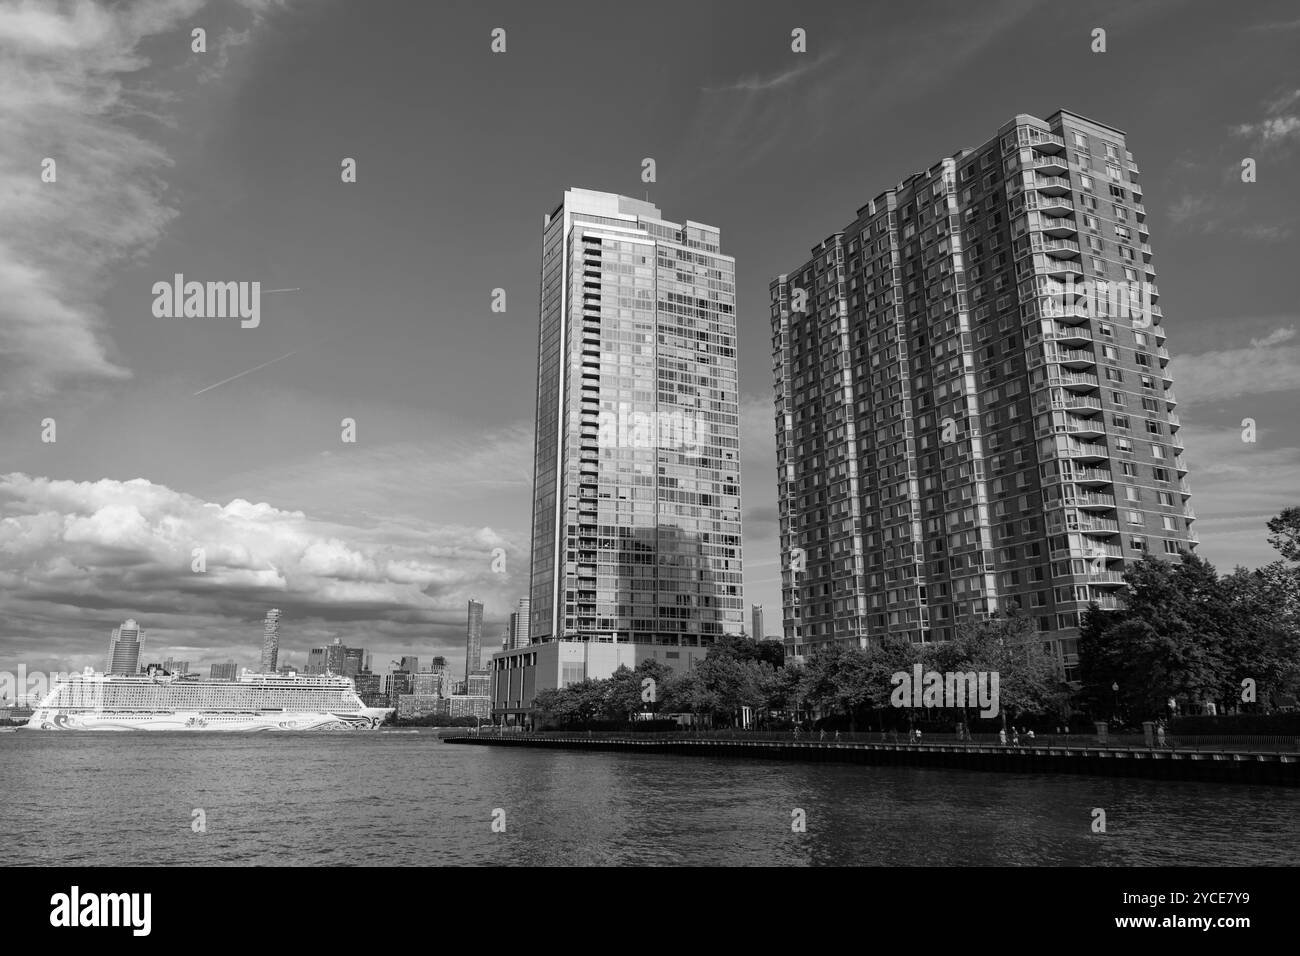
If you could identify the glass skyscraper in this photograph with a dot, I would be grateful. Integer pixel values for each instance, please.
(124, 649)
(270, 641)
(636, 488)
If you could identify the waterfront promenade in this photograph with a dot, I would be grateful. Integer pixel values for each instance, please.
(1262, 760)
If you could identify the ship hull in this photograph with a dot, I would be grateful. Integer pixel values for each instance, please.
(368, 719)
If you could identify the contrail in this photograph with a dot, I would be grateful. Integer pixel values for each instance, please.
(248, 371)
(265, 291)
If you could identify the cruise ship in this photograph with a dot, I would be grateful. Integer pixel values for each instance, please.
(158, 700)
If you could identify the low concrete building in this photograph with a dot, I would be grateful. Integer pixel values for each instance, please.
(520, 674)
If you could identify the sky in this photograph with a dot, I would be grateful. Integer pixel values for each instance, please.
(175, 433)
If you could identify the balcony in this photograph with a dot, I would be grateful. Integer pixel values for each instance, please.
(1089, 476)
(1093, 500)
(1045, 142)
(1091, 525)
(1091, 427)
(1174, 420)
(1051, 165)
(1180, 464)
(1062, 248)
(1140, 209)
(1146, 251)
(1052, 185)
(1073, 357)
(1056, 227)
(1166, 376)
(1170, 398)
(1068, 333)
(1080, 380)
(1087, 451)
(1077, 402)
(1057, 267)
(1163, 353)
(1106, 578)
(1052, 205)
(1106, 602)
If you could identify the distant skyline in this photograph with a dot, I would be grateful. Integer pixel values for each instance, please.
(225, 166)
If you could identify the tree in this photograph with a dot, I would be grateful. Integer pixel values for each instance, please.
(1284, 533)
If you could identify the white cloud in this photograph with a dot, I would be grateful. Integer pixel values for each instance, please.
(77, 557)
(1230, 373)
(72, 90)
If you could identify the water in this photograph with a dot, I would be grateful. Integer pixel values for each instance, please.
(407, 799)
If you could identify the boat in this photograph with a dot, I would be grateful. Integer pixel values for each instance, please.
(158, 700)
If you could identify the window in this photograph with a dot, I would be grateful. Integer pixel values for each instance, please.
(1131, 493)
(1137, 543)
(1170, 522)
(1119, 421)
(1080, 140)
(1105, 330)
(1160, 474)
(1158, 452)
(1086, 182)
(1110, 352)
(1117, 398)
(1134, 517)
(1171, 547)
(1112, 151)
(1128, 469)
(1114, 172)
(1165, 498)
(1140, 338)
(1154, 428)
(1091, 222)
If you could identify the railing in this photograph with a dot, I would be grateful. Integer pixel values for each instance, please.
(1251, 743)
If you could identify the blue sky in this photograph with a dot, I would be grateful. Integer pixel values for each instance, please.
(225, 166)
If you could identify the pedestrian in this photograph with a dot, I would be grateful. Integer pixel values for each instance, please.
(823, 736)
(1015, 736)
(1002, 736)
(1160, 733)
(1031, 733)
(918, 735)
(837, 736)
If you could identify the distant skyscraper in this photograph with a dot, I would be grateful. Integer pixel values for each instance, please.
(124, 649)
(173, 666)
(410, 664)
(270, 641)
(973, 400)
(224, 671)
(636, 487)
(474, 638)
(756, 621)
(517, 633)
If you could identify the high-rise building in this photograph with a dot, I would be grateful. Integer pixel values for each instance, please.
(173, 666)
(636, 500)
(474, 638)
(756, 621)
(517, 633)
(396, 684)
(124, 647)
(226, 671)
(410, 664)
(973, 401)
(270, 641)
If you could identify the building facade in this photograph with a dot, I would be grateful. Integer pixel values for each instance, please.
(124, 647)
(756, 622)
(974, 408)
(473, 638)
(518, 676)
(270, 641)
(520, 619)
(636, 509)
(226, 671)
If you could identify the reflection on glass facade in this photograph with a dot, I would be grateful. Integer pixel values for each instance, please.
(969, 416)
(636, 503)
